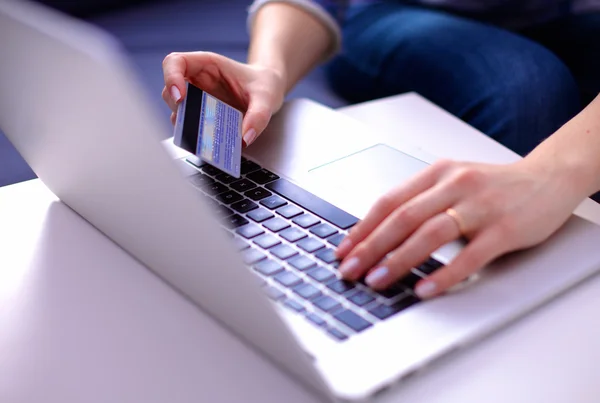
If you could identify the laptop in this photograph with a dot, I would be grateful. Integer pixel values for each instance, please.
(256, 253)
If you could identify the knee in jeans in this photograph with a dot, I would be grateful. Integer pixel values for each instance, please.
(547, 88)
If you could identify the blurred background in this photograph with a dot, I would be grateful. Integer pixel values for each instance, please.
(151, 29)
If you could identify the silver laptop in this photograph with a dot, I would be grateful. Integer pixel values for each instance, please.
(256, 254)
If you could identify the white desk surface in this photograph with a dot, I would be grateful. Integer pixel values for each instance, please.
(80, 321)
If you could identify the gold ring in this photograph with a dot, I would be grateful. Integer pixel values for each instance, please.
(457, 219)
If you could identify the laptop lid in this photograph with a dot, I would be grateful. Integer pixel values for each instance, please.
(74, 109)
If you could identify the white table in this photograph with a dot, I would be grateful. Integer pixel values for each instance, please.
(80, 321)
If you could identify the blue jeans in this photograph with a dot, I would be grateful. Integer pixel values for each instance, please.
(517, 87)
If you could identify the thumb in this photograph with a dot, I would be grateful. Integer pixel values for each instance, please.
(256, 119)
(174, 71)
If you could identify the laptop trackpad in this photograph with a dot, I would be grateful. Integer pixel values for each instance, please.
(356, 181)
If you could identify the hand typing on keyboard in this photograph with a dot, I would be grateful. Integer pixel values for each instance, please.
(498, 208)
(287, 237)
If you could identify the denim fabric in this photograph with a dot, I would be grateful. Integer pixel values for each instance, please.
(517, 88)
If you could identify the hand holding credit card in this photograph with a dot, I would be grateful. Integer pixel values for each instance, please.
(210, 129)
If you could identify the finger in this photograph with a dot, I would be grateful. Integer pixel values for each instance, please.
(173, 118)
(168, 99)
(395, 228)
(388, 203)
(256, 119)
(436, 232)
(481, 250)
(175, 70)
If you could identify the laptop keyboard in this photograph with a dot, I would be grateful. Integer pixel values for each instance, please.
(287, 236)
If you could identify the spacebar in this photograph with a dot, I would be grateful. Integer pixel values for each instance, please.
(312, 203)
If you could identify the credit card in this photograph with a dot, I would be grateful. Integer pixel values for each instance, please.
(210, 129)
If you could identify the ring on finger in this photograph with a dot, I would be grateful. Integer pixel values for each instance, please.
(458, 219)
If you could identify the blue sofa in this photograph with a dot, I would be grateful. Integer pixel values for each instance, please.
(149, 31)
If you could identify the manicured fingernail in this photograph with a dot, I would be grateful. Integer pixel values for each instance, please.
(249, 137)
(348, 269)
(378, 277)
(426, 289)
(344, 247)
(175, 94)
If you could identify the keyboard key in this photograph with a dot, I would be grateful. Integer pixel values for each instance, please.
(310, 245)
(266, 241)
(274, 293)
(323, 230)
(326, 303)
(306, 220)
(185, 168)
(427, 268)
(290, 303)
(240, 244)
(262, 176)
(260, 215)
(434, 263)
(312, 203)
(385, 311)
(242, 185)
(201, 180)
(307, 291)
(341, 286)
(292, 234)
(223, 211)
(210, 170)
(361, 298)
(211, 202)
(215, 188)
(235, 221)
(289, 211)
(410, 280)
(287, 279)
(273, 202)
(257, 194)
(283, 252)
(192, 159)
(316, 319)
(268, 267)
(229, 197)
(352, 320)
(338, 335)
(249, 166)
(243, 206)
(276, 224)
(225, 178)
(252, 256)
(301, 263)
(250, 231)
(336, 239)
(407, 301)
(321, 274)
(392, 292)
(327, 255)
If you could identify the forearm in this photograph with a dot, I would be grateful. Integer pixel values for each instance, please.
(573, 152)
(288, 39)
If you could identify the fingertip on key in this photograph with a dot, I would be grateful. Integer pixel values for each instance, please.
(349, 269)
(344, 248)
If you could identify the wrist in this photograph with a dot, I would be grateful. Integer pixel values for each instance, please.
(274, 78)
(571, 174)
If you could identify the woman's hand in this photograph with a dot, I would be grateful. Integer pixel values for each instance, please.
(255, 90)
(498, 208)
